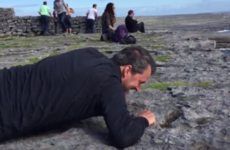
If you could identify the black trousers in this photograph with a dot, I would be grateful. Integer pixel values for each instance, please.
(90, 25)
(62, 19)
(141, 27)
(45, 23)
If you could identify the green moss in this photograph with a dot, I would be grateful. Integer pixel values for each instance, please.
(14, 46)
(162, 58)
(203, 121)
(55, 53)
(75, 46)
(174, 115)
(164, 85)
(156, 77)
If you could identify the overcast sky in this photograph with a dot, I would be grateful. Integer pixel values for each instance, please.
(141, 7)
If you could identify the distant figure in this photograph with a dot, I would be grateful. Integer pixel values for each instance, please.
(68, 20)
(55, 23)
(91, 16)
(61, 10)
(44, 12)
(108, 20)
(133, 25)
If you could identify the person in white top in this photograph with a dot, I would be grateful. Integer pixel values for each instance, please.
(91, 16)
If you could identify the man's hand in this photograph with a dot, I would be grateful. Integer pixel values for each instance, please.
(137, 20)
(149, 116)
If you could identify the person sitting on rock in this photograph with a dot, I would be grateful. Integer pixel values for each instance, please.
(73, 86)
(44, 12)
(108, 19)
(133, 25)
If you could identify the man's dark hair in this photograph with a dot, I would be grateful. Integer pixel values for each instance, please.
(94, 5)
(44, 3)
(130, 11)
(136, 56)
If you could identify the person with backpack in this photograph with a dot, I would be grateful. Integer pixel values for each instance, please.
(61, 10)
(108, 20)
(91, 16)
(44, 12)
(74, 86)
(133, 25)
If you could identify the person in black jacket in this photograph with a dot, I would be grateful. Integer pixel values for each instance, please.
(133, 25)
(74, 86)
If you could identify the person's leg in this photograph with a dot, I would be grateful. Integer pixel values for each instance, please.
(62, 18)
(88, 26)
(55, 27)
(43, 24)
(46, 24)
(112, 35)
(141, 27)
(70, 24)
(92, 25)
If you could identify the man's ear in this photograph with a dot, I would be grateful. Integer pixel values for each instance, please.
(127, 70)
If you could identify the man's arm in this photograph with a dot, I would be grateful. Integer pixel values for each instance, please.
(124, 130)
(67, 9)
(95, 13)
(39, 11)
(132, 21)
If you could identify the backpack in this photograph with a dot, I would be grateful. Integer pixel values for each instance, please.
(120, 32)
(128, 40)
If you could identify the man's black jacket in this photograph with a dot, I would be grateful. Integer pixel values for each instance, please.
(131, 24)
(69, 87)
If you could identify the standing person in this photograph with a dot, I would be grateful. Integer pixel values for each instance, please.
(61, 10)
(133, 25)
(91, 16)
(69, 20)
(44, 12)
(108, 20)
(74, 86)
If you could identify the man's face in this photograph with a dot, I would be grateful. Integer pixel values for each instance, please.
(132, 14)
(133, 81)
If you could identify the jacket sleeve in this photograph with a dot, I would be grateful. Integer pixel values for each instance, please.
(124, 130)
(131, 21)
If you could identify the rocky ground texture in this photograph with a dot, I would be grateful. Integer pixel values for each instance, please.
(189, 94)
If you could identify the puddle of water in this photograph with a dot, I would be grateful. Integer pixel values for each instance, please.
(226, 52)
(224, 31)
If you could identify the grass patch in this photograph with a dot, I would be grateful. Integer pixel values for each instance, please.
(162, 58)
(156, 76)
(54, 53)
(14, 46)
(35, 59)
(164, 85)
(75, 46)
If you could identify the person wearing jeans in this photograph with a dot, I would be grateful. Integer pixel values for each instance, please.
(44, 12)
(61, 10)
(91, 15)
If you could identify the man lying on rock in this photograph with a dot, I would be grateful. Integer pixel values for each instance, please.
(74, 86)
